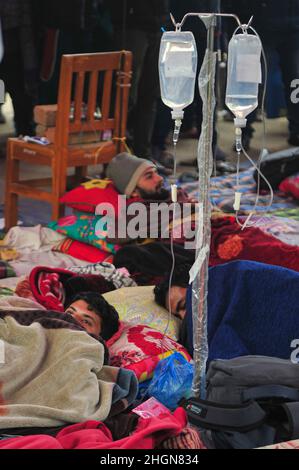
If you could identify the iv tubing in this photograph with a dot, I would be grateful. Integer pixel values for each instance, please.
(171, 245)
(239, 143)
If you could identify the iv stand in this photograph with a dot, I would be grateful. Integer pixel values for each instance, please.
(200, 282)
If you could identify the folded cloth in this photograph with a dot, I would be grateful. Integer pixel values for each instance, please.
(54, 373)
(81, 251)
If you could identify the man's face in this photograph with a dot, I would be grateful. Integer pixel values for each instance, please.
(177, 301)
(86, 317)
(149, 184)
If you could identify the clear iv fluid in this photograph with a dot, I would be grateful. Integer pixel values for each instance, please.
(243, 75)
(241, 105)
(177, 68)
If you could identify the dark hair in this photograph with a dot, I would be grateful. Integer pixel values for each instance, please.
(107, 313)
(180, 278)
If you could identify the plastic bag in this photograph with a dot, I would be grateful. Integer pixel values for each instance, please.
(172, 380)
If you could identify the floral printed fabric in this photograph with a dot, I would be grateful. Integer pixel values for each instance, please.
(83, 228)
(140, 348)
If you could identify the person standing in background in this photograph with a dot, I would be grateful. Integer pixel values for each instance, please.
(137, 28)
(277, 23)
(19, 66)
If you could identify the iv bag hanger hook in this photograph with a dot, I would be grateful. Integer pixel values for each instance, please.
(175, 24)
(245, 26)
(179, 25)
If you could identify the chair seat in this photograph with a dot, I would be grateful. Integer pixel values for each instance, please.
(78, 155)
(30, 152)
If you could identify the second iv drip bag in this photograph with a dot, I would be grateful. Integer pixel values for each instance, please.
(178, 67)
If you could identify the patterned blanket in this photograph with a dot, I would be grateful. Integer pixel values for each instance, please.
(222, 194)
(52, 373)
(6, 270)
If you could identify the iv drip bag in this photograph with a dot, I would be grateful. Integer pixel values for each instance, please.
(243, 75)
(177, 70)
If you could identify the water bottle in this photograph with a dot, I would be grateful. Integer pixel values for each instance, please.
(243, 75)
(177, 70)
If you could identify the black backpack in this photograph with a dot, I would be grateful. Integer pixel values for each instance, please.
(251, 401)
(278, 166)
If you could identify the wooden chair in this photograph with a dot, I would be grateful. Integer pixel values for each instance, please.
(102, 78)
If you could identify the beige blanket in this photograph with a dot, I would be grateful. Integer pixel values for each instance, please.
(52, 372)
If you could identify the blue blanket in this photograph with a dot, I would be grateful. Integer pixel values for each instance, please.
(253, 308)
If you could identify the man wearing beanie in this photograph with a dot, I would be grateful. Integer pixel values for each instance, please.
(137, 177)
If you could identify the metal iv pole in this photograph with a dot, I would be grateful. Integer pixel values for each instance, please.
(205, 165)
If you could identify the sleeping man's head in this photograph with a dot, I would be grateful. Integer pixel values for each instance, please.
(94, 314)
(174, 299)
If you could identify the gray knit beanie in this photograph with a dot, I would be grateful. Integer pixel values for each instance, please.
(125, 170)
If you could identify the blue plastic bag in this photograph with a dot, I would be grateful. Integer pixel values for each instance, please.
(172, 380)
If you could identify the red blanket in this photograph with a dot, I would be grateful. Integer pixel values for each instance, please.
(95, 435)
(54, 288)
(229, 242)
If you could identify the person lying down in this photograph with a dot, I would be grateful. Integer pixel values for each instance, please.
(54, 365)
(252, 309)
(94, 314)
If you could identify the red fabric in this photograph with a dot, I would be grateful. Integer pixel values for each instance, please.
(88, 195)
(38, 441)
(83, 251)
(140, 348)
(94, 435)
(47, 288)
(229, 242)
(290, 185)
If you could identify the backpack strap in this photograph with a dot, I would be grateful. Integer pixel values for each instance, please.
(292, 425)
(270, 391)
(241, 418)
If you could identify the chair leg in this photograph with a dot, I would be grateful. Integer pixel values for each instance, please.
(59, 171)
(57, 210)
(11, 199)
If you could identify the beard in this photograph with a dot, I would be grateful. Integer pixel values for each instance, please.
(161, 194)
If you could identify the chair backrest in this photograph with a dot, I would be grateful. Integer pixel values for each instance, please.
(93, 95)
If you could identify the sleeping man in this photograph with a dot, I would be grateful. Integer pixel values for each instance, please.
(55, 370)
(252, 309)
